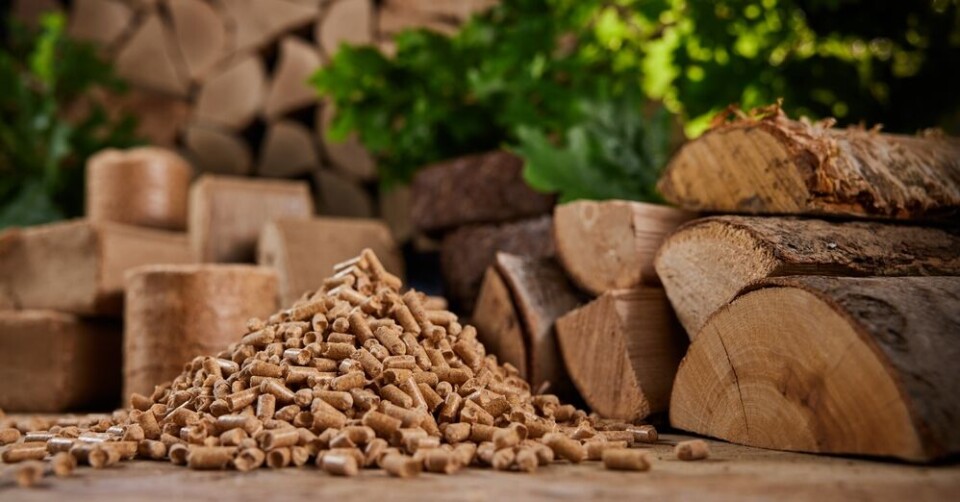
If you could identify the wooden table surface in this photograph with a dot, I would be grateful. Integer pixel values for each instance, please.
(731, 472)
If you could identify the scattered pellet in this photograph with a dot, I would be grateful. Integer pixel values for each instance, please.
(340, 464)
(401, 466)
(63, 464)
(569, 449)
(694, 449)
(29, 474)
(622, 459)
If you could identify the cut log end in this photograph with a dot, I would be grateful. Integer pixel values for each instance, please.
(498, 323)
(829, 365)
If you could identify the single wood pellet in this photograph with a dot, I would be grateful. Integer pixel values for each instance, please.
(622, 459)
(29, 473)
(694, 449)
(63, 464)
(596, 448)
(340, 464)
(401, 466)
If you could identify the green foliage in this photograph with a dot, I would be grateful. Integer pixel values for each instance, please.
(616, 152)
(42, 153)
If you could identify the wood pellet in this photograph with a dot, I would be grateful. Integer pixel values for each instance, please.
(355, 375)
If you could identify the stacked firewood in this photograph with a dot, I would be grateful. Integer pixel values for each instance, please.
(814, 328)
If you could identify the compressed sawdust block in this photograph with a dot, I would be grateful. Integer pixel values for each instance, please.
(485, 188)
(51, 362)
(174, 312)
(144, 186)
(227, 214)
(77, 266)
(303, 251)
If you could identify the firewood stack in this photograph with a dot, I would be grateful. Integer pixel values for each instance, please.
(825, 317)
(225, 82)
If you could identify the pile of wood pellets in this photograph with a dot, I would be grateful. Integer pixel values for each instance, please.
(355, 375)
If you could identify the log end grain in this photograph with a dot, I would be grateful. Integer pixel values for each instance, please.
(862, 366)
(498, 323)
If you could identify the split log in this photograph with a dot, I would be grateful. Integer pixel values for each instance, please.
(29, 11)
(347, 156)
(541, 293)
(485, 188)
(459, 10)
(200, 34)
(345, 22)
(622, 351)
(611, 244)
(160, 117)
(176, 313)
(773, 165)
(257, 22)
(149, 60)
(466, 253)
(227, 213)
(288, 150)
(52, 362)
(498, 323)
(290, 88)
(304, 251)
(233, 97)
(78, 266)
(103, 22)
(708, 261)
(860, 366)
(394, 17)
(216, 151)
(395, 211)
(339, 196)
(144, 186)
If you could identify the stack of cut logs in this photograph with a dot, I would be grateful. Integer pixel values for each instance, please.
(226, 81)
(167, 257)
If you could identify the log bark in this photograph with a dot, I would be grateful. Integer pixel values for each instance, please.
(288, 150)
(860, 366)
(78, 266)
(622, 351)
(348, 156)
(144, 186)
(103, 22)
(498, 323)
(200, 34)
(290, 88)
(52, 362)
(773, 165)
(345, 22)
(707, 261)
(148, 59)
(340, 196)
(227, 213)
(216, 151)
(257, 22)
(485, 188)
(541, 293)
(304, 251)
(466, 253)
(611, 244)
(233, 97)
(176, 313)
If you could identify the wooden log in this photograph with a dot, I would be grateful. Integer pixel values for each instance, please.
(233, 97)
(485, 188)
(176, 313)
(459, 10)
(78, 266)
(394, 203)
(144, 186)
(611, 244)
(347, 156)
(466, 253)
(541, 293)
(394, 17)
(288, 150)
(622, 351)
(52, 362)
(257, 22)
(29, 11)
(773, 165)
(304, 251)
(498, 323)
(860, 366)
(216, 151)
(290, 88)
(340, 196)
(160, 117)
(708, 261)
(227, 213)
(148, 59)
(103, 22)
(200, 35)
(345, 22)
